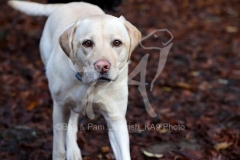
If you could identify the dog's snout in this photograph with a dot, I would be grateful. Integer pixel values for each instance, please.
(102, 66)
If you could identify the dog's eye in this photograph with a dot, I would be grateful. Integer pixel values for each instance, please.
(87, 43)
(116, 43)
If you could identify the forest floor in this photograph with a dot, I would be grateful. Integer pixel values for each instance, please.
(196, 97)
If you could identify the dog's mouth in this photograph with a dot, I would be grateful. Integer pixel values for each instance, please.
(103, 80)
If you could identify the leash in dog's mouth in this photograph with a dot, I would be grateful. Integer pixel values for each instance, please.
(102, 79)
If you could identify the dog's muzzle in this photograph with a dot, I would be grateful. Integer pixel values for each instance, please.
(102, 79)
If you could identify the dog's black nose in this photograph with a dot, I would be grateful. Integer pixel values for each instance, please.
(102, 66)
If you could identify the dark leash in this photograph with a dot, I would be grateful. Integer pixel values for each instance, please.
(78, 76)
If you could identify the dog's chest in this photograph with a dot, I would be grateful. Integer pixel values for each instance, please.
(95, 96)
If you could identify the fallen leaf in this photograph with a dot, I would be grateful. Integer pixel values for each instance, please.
(148, 154)
(167, 89)
(231, 29)
(222, 146)
(183, 85)
(223, 81)
(105, 149)
(100, 156)
(32, 106)
(163, 130)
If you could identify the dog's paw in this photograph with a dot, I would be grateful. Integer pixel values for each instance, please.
(74, 153)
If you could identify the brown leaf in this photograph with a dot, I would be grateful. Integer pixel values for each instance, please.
(105, 149)
(183, 85)
(222, 146)
(32, 106)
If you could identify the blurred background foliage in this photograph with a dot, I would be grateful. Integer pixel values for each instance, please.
(198, 88)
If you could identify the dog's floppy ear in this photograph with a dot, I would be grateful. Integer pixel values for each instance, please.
(134, 35)
(66, 41)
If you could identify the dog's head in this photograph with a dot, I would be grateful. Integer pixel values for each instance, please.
(100, 46)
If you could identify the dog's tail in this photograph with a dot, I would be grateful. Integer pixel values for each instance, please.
(34, 9)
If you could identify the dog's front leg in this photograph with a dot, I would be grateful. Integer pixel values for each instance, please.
(119, 138)
(60, 120)
(73, 151)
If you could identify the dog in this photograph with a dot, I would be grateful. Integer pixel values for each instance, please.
(86, 54)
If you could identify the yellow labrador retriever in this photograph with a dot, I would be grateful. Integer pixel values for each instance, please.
(86, 53)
